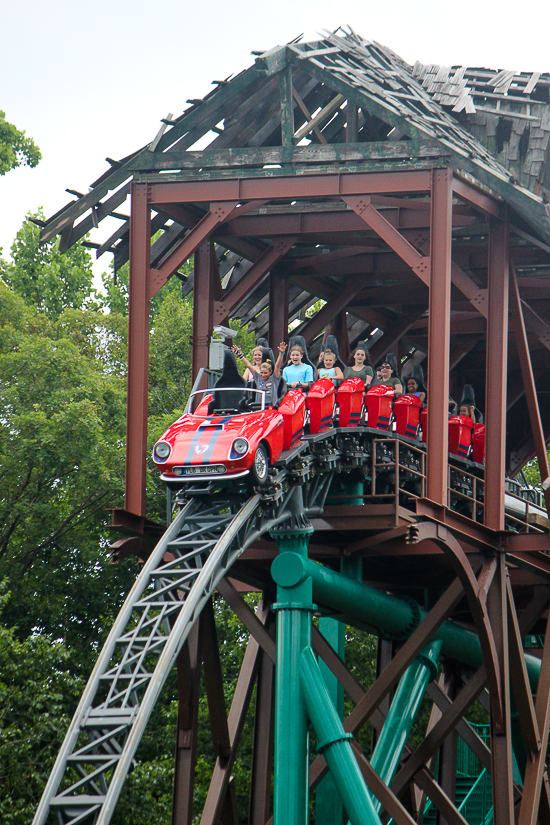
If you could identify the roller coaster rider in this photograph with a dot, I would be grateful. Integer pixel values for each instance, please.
(298, 375)
(388, 380)
(360, 366)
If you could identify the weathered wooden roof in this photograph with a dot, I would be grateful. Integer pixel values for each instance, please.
(344, 104)
(491, 125)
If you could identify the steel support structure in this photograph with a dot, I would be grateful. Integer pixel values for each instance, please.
(203, 304)
(138, 351)
(439, 335)
(290, 686)
(496, 372)
(278, 305)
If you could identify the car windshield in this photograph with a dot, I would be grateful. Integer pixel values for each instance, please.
(259, 397)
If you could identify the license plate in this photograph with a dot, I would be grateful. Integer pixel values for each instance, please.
(202, 471)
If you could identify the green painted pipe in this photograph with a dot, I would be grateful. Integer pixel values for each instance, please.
(333, 743)
(291, 755)
(328, 805)
(395, 617)
(401, 715)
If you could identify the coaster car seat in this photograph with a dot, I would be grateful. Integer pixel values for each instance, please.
(232, 380)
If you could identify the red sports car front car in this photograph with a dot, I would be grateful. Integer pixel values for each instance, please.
(202, 446)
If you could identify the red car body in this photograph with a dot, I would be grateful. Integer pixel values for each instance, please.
(201, 445)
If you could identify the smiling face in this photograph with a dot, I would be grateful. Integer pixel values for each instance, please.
(296, 356)
(257, 356)
(385, 371)
(412, 386)
(359, 357)
(265, 371)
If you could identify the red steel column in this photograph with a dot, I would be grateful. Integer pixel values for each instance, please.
(278, 307)
(439, 335)
(203, 303)
(138, 350)
(496, 367)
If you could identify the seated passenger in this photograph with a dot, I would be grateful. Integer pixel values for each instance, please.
(254, 368)
(388, 380)
(360, 367)
(268, 376)
(468, 410)
(415, 384)
(329, 370)
(468, 404)
(297, 375)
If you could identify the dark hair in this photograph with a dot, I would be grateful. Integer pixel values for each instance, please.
(363, 347)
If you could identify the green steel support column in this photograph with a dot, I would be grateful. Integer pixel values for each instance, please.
(346, 486)
(328, 804)
(396, 617)
(294, 608)
(333, 743)
(404, 707)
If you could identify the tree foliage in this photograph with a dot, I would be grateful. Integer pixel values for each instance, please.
(63, 352)
(15, 149)
(44, 277)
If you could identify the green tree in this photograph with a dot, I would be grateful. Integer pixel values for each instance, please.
(46, 278)
(15, 149)
(61, 455)
(38, 694)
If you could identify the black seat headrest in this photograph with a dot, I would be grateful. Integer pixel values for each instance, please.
(332, 344)
(230, 378)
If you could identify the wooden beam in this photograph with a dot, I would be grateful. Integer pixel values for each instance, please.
(319, 135)
(319, 117)
(287, 108)
(340, 299)
(261, 155)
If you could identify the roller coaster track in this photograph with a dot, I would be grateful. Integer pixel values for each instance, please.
(211, 529)
(208, 534)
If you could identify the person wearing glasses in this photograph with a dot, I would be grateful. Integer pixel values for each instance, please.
(388, 380)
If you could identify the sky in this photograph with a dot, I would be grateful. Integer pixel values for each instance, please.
(92, 80)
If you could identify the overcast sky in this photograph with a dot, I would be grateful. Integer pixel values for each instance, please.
(91, 80)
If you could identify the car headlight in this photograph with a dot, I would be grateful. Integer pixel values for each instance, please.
(240, 446)
(162, 450)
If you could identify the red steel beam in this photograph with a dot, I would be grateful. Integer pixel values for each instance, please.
(278, 306)
(529, 385)
(501, 734)
(185, 248)
(203, 303)
(290, 186)
(475, 197)
(312, 222)
(439, 336)
(138, 351)
(259, 270)
(496, 370)
(418, 263)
